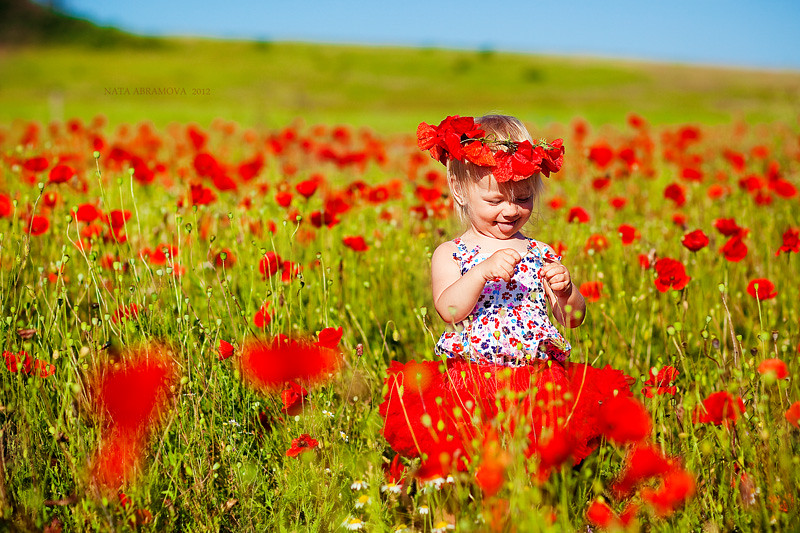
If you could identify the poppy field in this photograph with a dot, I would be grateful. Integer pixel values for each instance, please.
(197, 322)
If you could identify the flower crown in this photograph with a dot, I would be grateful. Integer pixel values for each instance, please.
(462, 139)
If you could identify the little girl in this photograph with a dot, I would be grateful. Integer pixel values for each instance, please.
(493, 284)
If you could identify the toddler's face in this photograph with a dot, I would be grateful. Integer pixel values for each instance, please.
(496, 210)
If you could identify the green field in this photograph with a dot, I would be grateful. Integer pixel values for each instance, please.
(143, 274)
(387, 89)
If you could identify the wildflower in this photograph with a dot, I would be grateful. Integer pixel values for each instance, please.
(578, 214)
(490, 475)
(327, 414)
(601, 154)
(330, 337)
(676, 487)
(355, 243)
(735, 249)
(61, 174)
(270, 365)
(37, 225)
(293, 398)
(627, 233)
(671, 274)
(792, 415)
(303, 443)
(660, 381)
(774, 367)
(400, 528)
(441, 526)
(363, 500)
(624, 419)
(695, 240)
(344, 436)
(391, 487)
(719, 408)
(643, 462)
(359, 484)
(225, 350)
(591, 290)
(269, 264)
(676, 193)
(761, 289)
(423, 510)
(599, 514)
(791, 241)
(353, 524)
(596, 242)
(262, 318)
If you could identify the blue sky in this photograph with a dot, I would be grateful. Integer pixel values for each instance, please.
(763, 34)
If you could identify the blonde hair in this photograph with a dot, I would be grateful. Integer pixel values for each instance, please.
(463, 174)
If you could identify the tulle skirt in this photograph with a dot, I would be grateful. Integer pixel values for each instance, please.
(439, 406)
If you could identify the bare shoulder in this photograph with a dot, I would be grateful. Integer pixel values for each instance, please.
(444, 252)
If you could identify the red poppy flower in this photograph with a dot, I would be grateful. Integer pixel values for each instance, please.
(395, 471)
(792, 415)
(601, 154)
(129, 312)
(735, 249)
(356, 243)
(491, 472)
(600, 184)
(206, 165)
(644, 461)
(225, 258)
(268, 365)
(556, 203)
(330, 337)
(446, 140)
(61, 174)
(6, 207)
(775, 367)
(670, 274)
(250, 169)
(695, 240)
(591, 290)
(117, 459)
(225, 350)
(43, 369)
(791, 241)
(676, 193)
(284, 198)
(37, 225)
(727, 227)
(117, 218)
(303, 443)
(719, 408)
(36, 164)
(293, 398)
(676, 487)
(691, 174)
(618, 202)
(133, 394)
(596, 242)
(269, 264)
(553, 450)
(86, 213)
(761, 289)
(262, 318)
(660, 382)
(578, 214)
(18, 362)
(599, 514)
(624, 419)
(628, 233)
(307, 188)
(202, 195)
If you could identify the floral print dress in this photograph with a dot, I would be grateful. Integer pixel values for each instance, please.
(509, 325)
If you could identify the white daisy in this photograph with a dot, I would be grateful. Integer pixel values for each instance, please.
(362, 501)
(359, 484)
(353, 524)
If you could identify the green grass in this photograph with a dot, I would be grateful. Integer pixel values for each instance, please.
(387, 89)
(211, 465)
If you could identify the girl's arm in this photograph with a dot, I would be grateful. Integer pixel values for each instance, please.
(454, 295)
(563, 294)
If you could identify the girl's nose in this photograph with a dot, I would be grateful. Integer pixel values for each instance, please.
(510, 209)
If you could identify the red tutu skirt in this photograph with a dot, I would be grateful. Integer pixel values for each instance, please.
(434, 406)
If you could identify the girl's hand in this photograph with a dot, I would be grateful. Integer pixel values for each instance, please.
(500, 265)
(556, 277)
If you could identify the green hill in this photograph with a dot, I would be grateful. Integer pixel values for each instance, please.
(392, 89)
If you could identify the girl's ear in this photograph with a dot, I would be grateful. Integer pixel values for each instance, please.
(455, 190)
